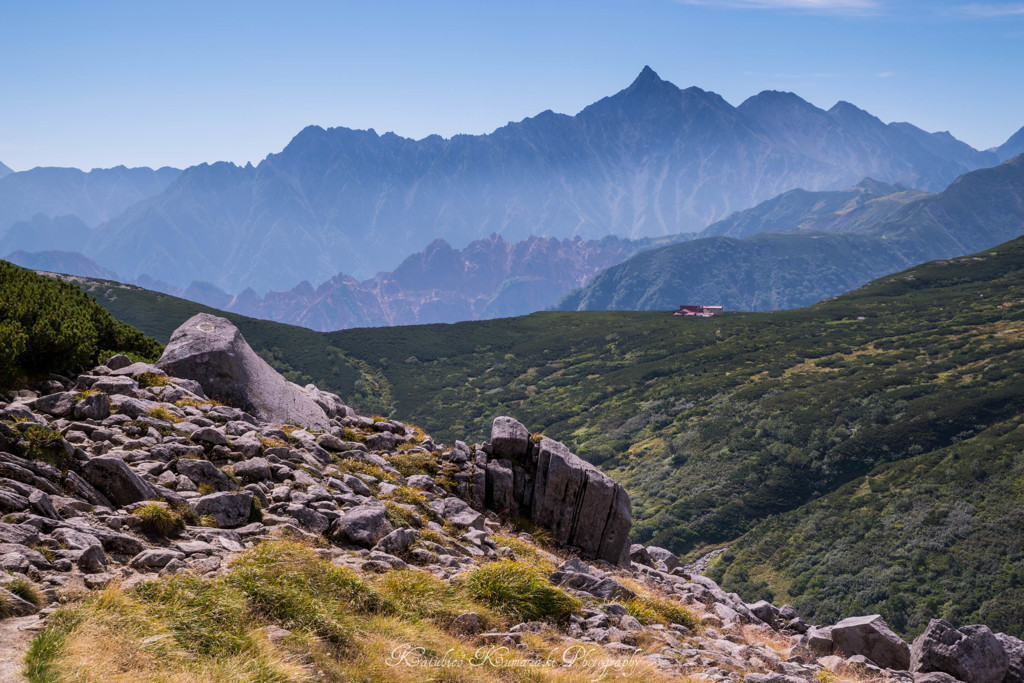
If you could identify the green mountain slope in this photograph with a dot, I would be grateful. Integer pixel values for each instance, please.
(51, 326)
(935, 535)
(977, 211)
(719, 427)
(867, 202)
(764, 272)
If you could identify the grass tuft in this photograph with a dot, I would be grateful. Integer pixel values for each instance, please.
(159, 519)
(414, 463)
(43, 651)
(520, 590)
(151, 379)
(359, 466)
(653, 610)
(289, 583)
(25, 589)
(160, 413)
(421, 595)
(402, 517)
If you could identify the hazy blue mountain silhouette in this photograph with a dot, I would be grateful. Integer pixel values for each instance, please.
(651, 160)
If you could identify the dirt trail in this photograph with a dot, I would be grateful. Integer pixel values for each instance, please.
(15, 635)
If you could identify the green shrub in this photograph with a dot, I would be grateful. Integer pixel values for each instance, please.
(521, 591)
(255, 511)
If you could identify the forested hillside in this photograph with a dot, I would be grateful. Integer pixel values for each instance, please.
(717, 426)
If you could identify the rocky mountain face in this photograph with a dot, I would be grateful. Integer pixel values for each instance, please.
(651, 160)
(89, 463)
(786, 270)
(92, 196)
(489, 278)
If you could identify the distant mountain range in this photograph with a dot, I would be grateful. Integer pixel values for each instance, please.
(1012, 147)
(67, 233)
(651, 160)
(490, 278)
(342, 208)
(93, 197)
(799, 263)
(4, 170)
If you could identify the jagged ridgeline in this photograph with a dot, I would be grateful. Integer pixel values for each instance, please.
(48, 325)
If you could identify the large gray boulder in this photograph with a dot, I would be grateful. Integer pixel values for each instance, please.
(971, 653)
(509, 439)
(116, 480)
(666, 557)
(204, 472)
(870, 636)
(211, 351)
(363, 525)
(1014, 649)
(457, 512)
(227, 509)
(580, 505)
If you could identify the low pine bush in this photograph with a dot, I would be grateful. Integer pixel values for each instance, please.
(48, 325)
(45, 444)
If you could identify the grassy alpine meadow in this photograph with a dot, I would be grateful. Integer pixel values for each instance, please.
(283, 613)
(725, 430)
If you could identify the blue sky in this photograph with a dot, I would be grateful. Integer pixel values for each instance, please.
(95, 84)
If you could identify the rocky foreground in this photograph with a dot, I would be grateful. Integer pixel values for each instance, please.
(131, 472)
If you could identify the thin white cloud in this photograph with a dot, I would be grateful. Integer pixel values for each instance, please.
(796, 77)
(809, 5)
(885, 74)
(991, 10)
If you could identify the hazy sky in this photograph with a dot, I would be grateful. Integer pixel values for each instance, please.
(96, 84)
